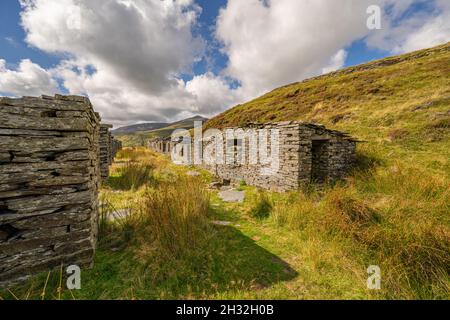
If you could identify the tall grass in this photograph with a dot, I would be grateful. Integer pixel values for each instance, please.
(132, 175)
(172, 218)
(395, 217)
(135, 154)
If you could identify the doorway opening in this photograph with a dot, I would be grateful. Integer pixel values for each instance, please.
(319, 169)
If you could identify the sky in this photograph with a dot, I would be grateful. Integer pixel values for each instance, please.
(165, 60)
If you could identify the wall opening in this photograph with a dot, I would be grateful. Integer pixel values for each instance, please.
(319, 168)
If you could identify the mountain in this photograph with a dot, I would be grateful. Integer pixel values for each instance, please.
(140, 127)
(139, 137)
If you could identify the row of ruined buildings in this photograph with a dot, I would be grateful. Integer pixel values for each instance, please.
(278, 156)
(54, 153)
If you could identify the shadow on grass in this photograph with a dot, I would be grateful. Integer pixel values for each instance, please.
(233, 266)
(240, 258)
(366, 162)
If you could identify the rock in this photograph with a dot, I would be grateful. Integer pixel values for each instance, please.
(214, 185)
(119, 214)
(222, 223)
(232, 196)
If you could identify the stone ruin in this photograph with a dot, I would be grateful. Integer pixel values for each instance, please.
(162, 145)
(49, 181)
(308, 153)
(109, 147)
(116, 145)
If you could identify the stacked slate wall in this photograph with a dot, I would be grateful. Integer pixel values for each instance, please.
(105, 150)
(109, 146)
(307, 153)
(116, 145)
(162, 145)
(49, 179)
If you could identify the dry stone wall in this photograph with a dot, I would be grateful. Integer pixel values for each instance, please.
(116, 145)
(307, 153)
(49, 179)
(109, 147)
(164, 145)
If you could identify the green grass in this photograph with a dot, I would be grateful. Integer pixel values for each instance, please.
(313, 244)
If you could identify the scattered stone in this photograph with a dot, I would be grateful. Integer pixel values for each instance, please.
(232, 196)
(119, 214)
(193, 173)
(222, 223)
(214, 185)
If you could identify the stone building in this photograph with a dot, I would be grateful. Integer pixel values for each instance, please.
(304, 153)
(162, 145)
(49, 179)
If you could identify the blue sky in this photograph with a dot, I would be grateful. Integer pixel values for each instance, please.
(198, 62)
(12, 45)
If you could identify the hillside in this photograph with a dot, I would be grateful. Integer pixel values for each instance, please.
(415, 83)
(139, 137)
(399, 105)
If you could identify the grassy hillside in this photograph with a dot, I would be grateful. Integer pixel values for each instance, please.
(400, 105)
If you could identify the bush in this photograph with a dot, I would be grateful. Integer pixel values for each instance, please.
(173, 219)
(262, 206)
(131, 175)
(394, 217)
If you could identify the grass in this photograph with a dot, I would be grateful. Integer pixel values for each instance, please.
(313, 244)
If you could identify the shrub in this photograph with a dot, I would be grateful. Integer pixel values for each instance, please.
(173, 218)
(131, 175)
(262, 206)
(398, 134)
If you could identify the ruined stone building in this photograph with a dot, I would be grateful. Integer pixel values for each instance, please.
(305, 153)
(162, 145)
(49, 180)
(108, 149)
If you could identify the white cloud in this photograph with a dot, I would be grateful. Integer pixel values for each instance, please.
(277, 42)
(138, 50)
(272, 43)
(211, 93)
(29, 79)
(336, 62)
(422, 29)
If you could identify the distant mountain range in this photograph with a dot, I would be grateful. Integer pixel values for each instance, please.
(138, 134)
(140, 127)
(147, 127)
